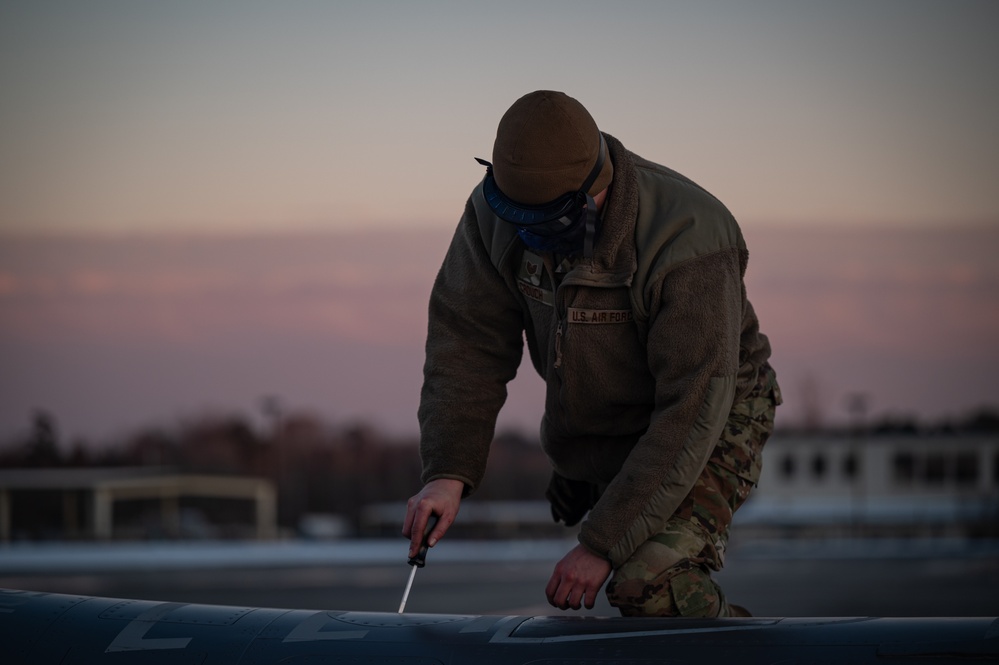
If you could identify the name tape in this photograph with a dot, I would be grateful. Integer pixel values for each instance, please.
(577, 315)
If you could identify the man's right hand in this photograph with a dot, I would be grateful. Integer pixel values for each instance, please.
(439, 497)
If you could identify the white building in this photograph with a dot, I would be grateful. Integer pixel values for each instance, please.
(889, 484)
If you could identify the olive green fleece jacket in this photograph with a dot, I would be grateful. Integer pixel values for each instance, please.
(644, 347)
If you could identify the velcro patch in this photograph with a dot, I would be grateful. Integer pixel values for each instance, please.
(536, 293)
(531, 279)
(578, 315)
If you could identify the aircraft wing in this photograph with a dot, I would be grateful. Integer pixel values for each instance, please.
(47, 628)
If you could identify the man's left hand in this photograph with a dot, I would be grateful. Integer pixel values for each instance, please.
(577, 579)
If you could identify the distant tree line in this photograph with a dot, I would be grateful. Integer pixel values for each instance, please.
(321, 468)
(316, 467)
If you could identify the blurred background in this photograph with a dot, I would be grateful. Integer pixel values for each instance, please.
(219, 226)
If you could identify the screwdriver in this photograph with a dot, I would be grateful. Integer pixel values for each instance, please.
(418, 561)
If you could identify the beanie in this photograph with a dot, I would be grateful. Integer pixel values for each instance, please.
(546, 145)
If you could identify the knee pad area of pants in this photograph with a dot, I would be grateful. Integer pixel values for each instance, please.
(683, 591)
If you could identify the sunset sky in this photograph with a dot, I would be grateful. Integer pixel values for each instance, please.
(205, 202)
(235, 115)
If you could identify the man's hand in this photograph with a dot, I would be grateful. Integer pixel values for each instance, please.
(577, 579)
(570, 500)
(438, 497)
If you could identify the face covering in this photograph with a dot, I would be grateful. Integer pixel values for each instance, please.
(575, 239)
(567, 225)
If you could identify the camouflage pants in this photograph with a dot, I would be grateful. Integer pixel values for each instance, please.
(670, 573)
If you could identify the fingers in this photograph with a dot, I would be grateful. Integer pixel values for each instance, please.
(577, 580)
(443, 524)
(439, 497)
(551, 589)
(415, 541)
(421, 515)
(407, 522)
(565, 592)
(568, 596)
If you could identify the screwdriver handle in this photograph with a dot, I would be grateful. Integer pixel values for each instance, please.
(420, 560)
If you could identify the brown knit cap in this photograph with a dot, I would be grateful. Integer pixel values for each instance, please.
(546, 145)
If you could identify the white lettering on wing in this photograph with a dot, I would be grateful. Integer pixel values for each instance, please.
(133, 636)
(311, 630)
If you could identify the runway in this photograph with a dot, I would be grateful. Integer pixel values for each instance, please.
(793, 579)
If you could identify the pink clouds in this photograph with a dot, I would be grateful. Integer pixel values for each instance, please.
(908, 316)
(170, 290)
(106, 332)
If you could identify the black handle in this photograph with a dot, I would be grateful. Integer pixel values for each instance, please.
(420, 560)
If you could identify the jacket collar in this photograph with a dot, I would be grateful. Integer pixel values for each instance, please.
(614, 260)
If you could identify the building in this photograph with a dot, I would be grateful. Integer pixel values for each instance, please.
(932, 484)
(93, 503)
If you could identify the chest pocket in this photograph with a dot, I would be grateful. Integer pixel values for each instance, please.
(604, 363)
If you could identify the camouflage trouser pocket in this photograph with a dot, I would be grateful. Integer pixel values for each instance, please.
(731, 473)
(669, 574)
(749, 425)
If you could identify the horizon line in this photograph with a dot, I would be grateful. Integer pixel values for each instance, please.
(386, 227)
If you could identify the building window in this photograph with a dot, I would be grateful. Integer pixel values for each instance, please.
(904, 467)
(851, 466)
(787, 466)
(936, 468)
(819, 465)
(966, 469)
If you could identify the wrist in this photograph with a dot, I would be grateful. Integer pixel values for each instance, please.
(450, 485)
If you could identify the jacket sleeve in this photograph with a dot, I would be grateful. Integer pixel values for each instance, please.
(474, 347)
(693, 351)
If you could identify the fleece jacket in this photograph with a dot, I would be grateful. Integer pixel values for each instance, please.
(644, 347)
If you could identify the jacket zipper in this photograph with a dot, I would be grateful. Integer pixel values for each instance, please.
(562, 328)
(561, 313)
(557, 306)
(558, 297)
(558, 345)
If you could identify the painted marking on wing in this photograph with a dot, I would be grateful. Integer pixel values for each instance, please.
(133, 636)
(586, 637)
(311, 630)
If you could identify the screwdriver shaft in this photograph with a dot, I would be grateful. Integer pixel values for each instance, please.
(409, 585)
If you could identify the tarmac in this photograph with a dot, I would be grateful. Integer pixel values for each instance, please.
(796, 578)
